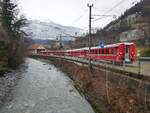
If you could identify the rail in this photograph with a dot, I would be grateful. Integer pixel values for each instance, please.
(145, 58)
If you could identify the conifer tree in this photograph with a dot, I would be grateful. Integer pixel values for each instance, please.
(12, 23)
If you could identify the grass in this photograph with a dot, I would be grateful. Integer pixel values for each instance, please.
(144, 51)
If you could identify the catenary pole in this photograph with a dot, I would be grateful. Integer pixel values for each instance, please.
(90, 18)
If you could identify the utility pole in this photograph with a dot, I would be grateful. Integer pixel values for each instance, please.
(60, 41)
(90, 18)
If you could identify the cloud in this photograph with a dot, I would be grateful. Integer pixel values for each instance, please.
(65, 12)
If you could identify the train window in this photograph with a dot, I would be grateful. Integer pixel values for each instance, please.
(112, 51)
(90, 51)
(86, 52)
(96, 51)
(127, 49)
(107, 50)
(117, 51)
(93, 51)
(102, 51)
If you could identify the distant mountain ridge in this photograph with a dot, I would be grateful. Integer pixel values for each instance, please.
(51, 31)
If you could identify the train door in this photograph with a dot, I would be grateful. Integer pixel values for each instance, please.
(133, 52)
(121, 52)
(127, 53)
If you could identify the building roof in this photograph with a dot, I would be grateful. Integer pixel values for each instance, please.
(35, 46)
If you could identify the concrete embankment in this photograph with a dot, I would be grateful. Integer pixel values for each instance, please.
(107, 91)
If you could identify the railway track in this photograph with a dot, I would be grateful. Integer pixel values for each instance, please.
(103, 66)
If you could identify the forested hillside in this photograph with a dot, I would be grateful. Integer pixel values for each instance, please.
(133, 25)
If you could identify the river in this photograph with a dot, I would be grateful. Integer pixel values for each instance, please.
(45, 89)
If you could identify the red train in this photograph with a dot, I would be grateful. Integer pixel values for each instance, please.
(115, 53)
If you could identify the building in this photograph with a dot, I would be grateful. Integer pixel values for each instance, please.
(131, 35)
(35, 49)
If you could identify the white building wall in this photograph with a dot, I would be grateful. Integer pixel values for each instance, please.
(131, 35)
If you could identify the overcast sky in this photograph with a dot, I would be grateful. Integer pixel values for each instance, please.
(73, 12)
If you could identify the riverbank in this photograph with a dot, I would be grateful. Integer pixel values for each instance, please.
(8, 79)
(3, 68)
(108, 92)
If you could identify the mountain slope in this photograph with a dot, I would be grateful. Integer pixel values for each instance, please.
(51, 30)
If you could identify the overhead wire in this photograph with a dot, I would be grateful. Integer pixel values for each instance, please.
(75, 21)
(111, 9)
(79, 18)
(94, 2)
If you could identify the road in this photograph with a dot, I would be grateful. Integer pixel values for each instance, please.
(45, 89)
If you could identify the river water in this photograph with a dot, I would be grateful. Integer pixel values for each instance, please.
(45, 89)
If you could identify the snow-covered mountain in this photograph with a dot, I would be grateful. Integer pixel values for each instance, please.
(51, 31)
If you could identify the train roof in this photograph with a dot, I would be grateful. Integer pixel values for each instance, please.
(50, 51)
(113, 45)
(97, 47)
(106, 46)
(85, 48)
